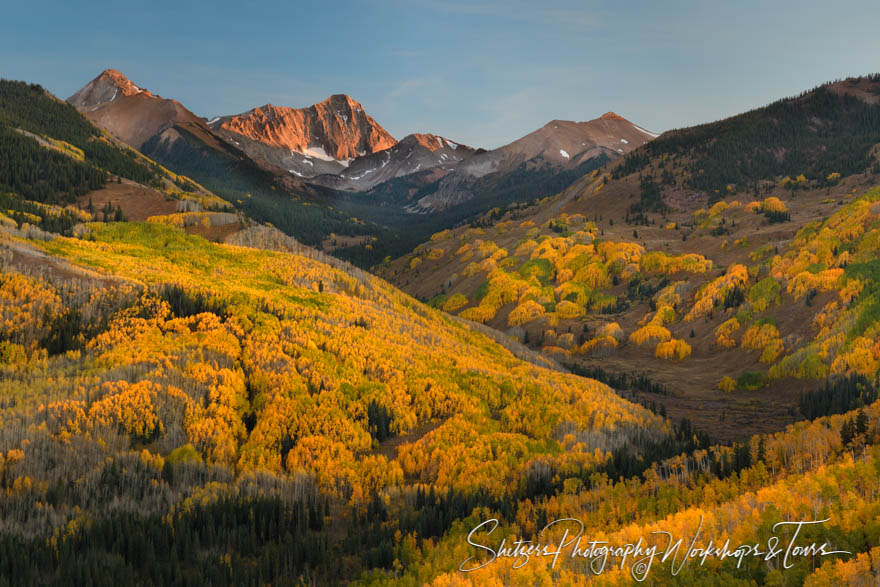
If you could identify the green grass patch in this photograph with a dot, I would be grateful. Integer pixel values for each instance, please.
(764, 294)
(438, 300)
(751, 381)
(481, 292)
(540, 268)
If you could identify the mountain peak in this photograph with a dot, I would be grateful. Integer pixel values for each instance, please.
(611, 116)
(115, 75)
(336, 128)
(430, 141)
(109, 85)
(340, 98)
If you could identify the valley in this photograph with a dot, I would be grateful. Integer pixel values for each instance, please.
(632, 251)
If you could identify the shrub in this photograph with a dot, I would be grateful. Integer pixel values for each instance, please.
(664, 315)
(599, 346)
(759, 335)
(764, 294)
(719, 290)
(724, 333)
(612, 330)
(660, 262)
(805, 363)
(727, 384)
(673, 349)
(650, 332)
(751, 380)
(805, 281)
(861, 358)
(773, 204)
(184, 454)
(455, 302)
(479, 313)
(772, 351)
(568, 310)
(540, 269)
(526, 312)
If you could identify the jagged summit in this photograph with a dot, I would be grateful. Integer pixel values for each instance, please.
(336, 128)
(612, 116)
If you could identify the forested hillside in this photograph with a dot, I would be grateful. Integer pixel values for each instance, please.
(192, 369)
(830, 129)
(30, 108)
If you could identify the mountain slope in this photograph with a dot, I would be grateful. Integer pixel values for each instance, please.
(426, 201)
(336, 144)
(256, 376)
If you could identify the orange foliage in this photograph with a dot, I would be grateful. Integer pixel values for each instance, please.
(525, 312)
(727, 384)
(724, 333)
(128, 407)
(673, 349)
(713, 292)
(649, 333)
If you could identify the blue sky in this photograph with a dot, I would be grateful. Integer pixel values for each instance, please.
(481, 72)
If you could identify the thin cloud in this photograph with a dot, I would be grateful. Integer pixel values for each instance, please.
(406, 87)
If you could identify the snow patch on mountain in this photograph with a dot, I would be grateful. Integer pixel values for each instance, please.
(365, 173)
(647, 132)
(318, 153)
